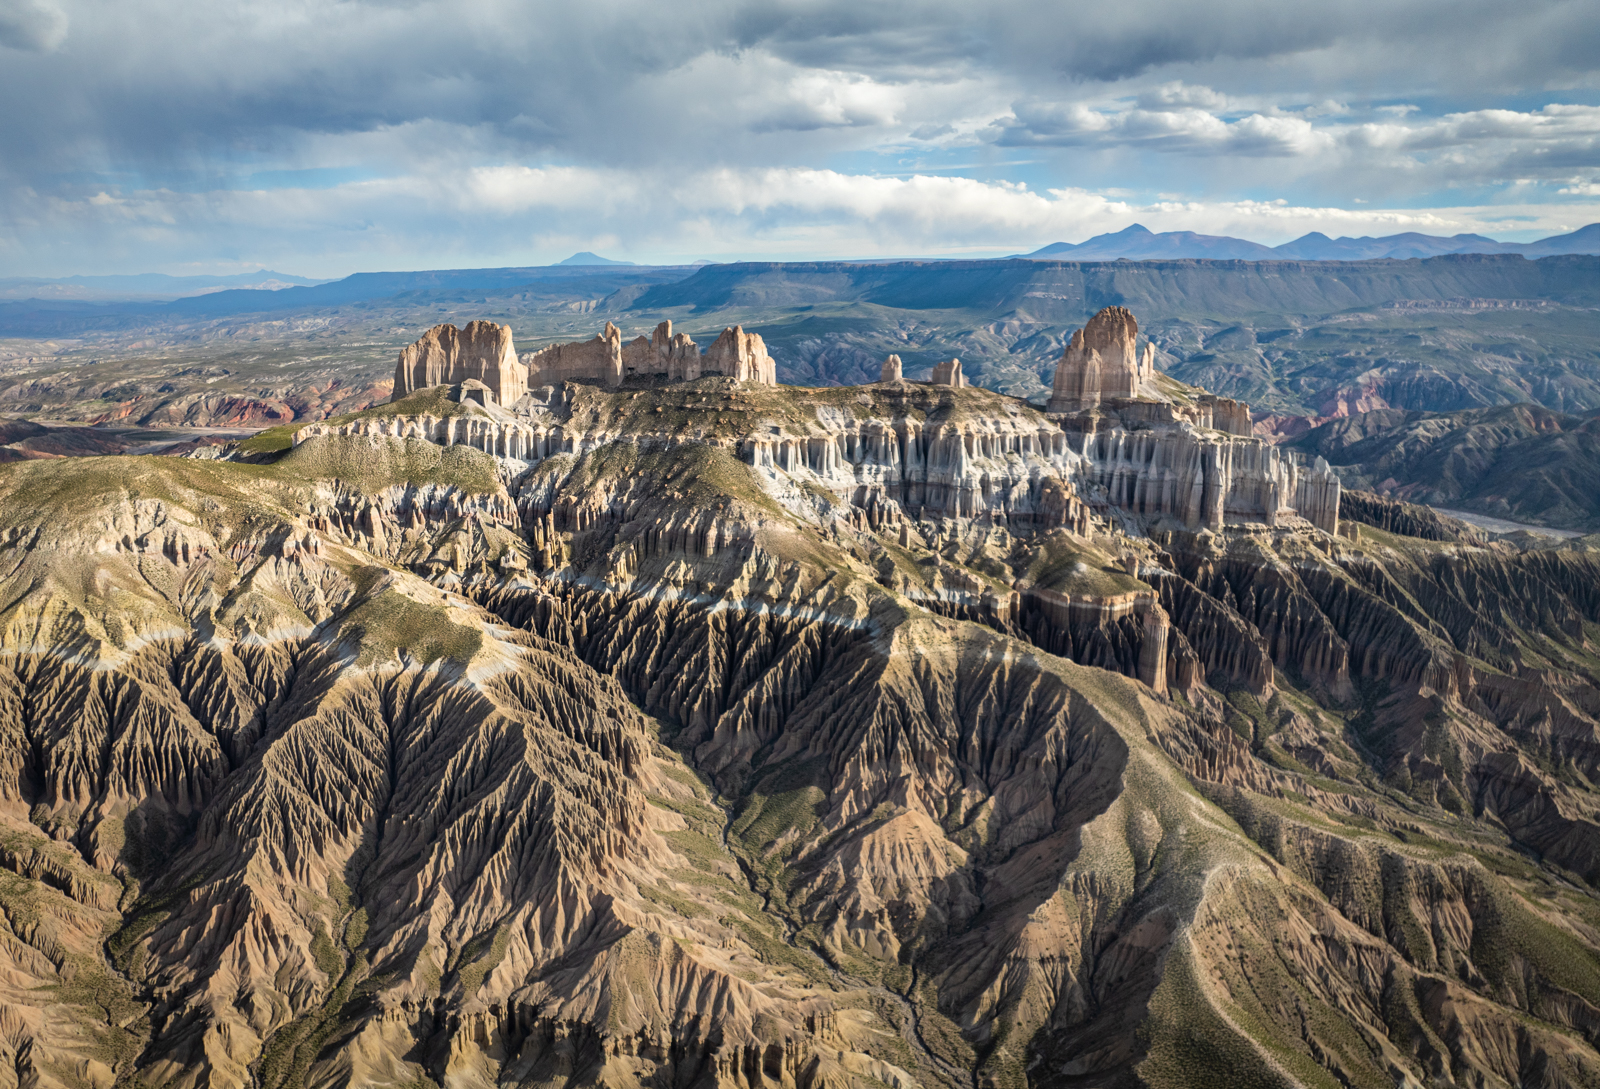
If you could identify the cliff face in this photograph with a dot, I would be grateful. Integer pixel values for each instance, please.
(1166, 468)
(1161, 450)
(727, 735)
(445, 355)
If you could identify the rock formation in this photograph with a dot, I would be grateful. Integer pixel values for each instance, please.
(599, 359)
(663, 355)
(445, 355)
(1180, 453)
(949, 373)
(739, 736)
(741, 356)
(675, 358)
(1149, 462)
(1102, 361)
(891, 370)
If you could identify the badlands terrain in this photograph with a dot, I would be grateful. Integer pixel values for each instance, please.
(720, 732)
(1306, 342)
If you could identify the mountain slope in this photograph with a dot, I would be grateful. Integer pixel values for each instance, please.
(1521, 462)
(651, 762)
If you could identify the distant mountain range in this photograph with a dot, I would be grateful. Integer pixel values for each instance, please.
(1137, 243)
(145, 285)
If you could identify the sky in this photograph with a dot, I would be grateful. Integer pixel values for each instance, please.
(324, 137)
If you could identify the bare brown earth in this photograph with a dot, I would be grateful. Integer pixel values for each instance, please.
(374, 762)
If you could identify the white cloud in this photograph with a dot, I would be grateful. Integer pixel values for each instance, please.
(1179, 95)
(1170, 119)
(815, 100)
(535, 215)
(1456, 148)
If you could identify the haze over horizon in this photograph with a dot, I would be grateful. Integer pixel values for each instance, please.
(326, 138)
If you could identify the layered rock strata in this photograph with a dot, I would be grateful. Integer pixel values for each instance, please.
(482, 351)
(1158, 449)
(1199, 478)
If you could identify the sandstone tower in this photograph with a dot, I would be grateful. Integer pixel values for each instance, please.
(741, 355)
(483, 351)
(674, 357)
(1101, 362)
(949, 373)
(599, 358)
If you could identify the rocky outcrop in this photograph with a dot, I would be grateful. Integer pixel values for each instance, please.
(891, 370)
(482, 351)
(741, 356)
(599, 360)
(663, 355)
(1102, 362)
(949, 373)
(1179, 453)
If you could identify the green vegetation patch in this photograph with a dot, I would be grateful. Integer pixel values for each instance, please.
(389, 624)
(372, 464)
(480, 956)
(1066, 565)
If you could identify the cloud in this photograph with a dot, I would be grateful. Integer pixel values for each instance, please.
(816, 100)
(441, 217)
(1167, 119)
(202, 98)
(1469, 146)
(36, 26)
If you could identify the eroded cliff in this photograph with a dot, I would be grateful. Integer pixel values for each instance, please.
(715, 735)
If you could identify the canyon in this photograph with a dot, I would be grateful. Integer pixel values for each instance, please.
(645, 729)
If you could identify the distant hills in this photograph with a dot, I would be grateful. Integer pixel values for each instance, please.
(1042, 291)
(145, 285)
(1070, 291)
(1521, 461)
(1138, 243)
(587, 258)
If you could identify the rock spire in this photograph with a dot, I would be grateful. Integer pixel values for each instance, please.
(949, 373)
(741, 355)
(1102, 361)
